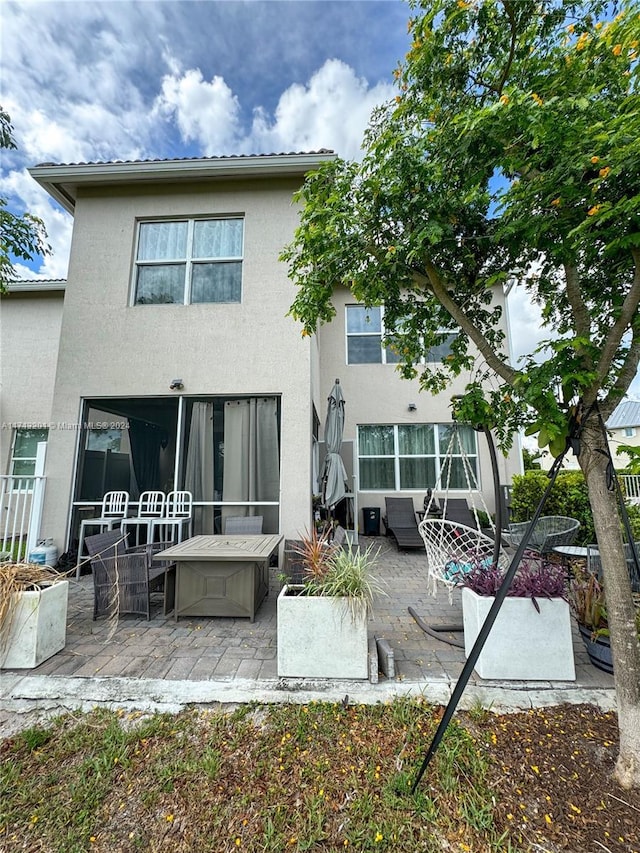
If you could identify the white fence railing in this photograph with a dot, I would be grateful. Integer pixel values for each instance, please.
(631, 486)
(21, 500)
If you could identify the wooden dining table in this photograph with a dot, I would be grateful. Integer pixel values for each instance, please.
(221, 575)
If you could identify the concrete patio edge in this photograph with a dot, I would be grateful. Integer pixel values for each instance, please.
(49, 695)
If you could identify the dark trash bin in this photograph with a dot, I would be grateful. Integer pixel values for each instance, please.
(371, 517)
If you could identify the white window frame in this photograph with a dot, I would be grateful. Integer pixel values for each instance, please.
(189, 261)
(437, 455)
(32, 459)
(629, 432)
(386, 357)
(373, 333)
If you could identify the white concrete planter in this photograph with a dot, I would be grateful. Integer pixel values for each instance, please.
(522, 644)
(38, 626)
(319, 638)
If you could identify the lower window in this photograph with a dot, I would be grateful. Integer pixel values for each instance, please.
(25, 449)
(392, 457)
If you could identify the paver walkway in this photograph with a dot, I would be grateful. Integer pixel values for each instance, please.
(162, 664)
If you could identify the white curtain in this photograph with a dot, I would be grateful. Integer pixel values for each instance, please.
(198, 478)
(251, 458)
(218, 238)
(160, 241)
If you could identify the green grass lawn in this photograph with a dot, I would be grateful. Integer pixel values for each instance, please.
(317, 777)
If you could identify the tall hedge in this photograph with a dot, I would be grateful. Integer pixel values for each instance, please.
(568, 497)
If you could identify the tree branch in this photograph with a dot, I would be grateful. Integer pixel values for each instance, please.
(434, 281)
(512, 47)
(627, 318)
(578, 306)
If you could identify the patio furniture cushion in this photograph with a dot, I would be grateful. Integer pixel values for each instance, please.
(453, 549)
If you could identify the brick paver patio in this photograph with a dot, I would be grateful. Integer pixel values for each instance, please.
(212, 648)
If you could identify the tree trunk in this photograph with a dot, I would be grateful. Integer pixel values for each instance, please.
(625, 646)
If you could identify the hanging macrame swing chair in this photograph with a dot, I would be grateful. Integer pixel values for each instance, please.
(452, 547)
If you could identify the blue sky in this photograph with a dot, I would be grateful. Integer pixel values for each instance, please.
(119, 80)
(87, 81)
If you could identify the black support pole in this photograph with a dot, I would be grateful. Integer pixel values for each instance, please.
(474, 654)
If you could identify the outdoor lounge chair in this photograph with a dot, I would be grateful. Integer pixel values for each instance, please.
(401, 523)
(124, 579)
(457, 510)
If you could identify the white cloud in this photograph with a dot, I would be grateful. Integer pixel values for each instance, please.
(20, 185)
(206, 112)
(331, 111)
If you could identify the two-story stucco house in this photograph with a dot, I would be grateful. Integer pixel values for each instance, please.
(167, 359)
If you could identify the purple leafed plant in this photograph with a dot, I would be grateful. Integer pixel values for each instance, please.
(535, 578)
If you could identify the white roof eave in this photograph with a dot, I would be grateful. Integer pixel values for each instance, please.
(62, 181)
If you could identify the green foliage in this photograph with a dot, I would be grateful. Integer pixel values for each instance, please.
(633, 452)
(21, 237)
(569, 497)
(332, 570)
(633, 511)
(510, 155)
(530, 460)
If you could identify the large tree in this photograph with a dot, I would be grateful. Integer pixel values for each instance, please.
(21, 237)
(510, 157)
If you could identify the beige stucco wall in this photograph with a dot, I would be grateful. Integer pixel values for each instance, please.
(110, 348)
(376, 394)
(29, 335)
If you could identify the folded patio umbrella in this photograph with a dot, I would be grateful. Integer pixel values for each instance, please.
(334, 476)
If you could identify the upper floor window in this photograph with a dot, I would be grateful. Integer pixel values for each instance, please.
(189, 260)
(25, 449)
(365, 330)
(630, 432)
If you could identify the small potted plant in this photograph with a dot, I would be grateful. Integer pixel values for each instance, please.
(33, 614)
(322, 620)
(589, 606)
(531, 637)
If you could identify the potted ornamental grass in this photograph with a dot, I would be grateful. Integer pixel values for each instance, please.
(323, 617)
(531, 637)
(33, 614)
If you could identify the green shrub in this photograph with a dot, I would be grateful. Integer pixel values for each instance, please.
(568, 497)
(633, 511)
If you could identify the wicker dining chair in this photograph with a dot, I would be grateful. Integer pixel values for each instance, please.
(124, 579)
